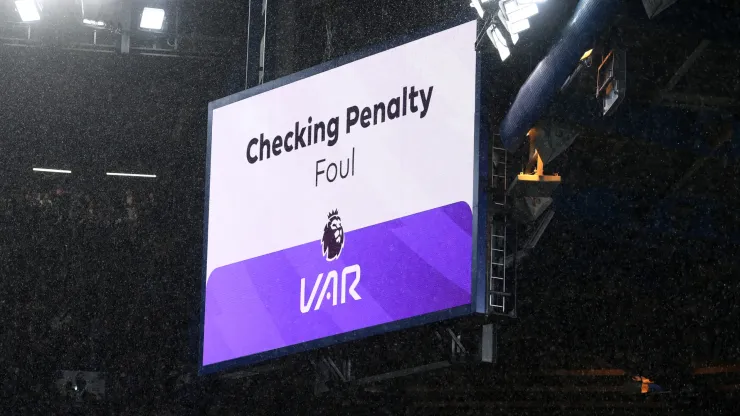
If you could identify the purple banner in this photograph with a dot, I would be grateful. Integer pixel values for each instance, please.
(395, 270)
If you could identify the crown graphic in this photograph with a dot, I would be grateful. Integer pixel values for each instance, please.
(333, 214)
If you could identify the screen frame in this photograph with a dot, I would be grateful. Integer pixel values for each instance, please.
(479, 208)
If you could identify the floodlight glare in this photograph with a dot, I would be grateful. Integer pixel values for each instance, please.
(28, 10)
(93, 22)
(511, 17)
(509, 6)
(152, 19)
(522, 12)
(513, 28)
(498, 41)
(518, 27)
(499, 36)
(478, 7)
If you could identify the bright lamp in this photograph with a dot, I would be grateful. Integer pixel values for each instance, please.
(152, 19)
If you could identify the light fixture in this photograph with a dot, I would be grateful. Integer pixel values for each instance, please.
(51, 170)
(509, 5)
(516, 27)
(28, 10)
(478, 6)
(93, 13)
(515, 12)
(507, 20)
(133, 175)
(90, 22)
(152, 19)
(513, 28)
(498, 41)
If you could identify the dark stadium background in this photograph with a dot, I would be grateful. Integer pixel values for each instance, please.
(636, 276)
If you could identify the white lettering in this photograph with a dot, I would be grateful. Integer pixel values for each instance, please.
(305, 307)
(330, 277)
(352, 289)
(333, 278)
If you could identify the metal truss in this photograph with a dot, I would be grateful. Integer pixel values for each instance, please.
(461, 346)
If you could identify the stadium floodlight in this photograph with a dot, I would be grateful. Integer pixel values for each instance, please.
(132, 175)
(91, 13)
(516, 27)
(499, 41)
(513, 28)
(51, 170)
(152, 19)
(523, 13)
(478, 6)
(95, 23)
(28, 10)
(507, 20)
(515, 11)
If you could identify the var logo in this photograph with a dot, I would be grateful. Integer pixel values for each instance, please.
(332, 243)
(331, 279)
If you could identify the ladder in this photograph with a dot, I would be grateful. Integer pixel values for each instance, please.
(501, 291)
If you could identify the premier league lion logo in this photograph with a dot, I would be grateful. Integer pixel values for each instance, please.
(332, 242)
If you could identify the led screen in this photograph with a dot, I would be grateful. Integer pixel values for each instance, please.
(341, 201)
